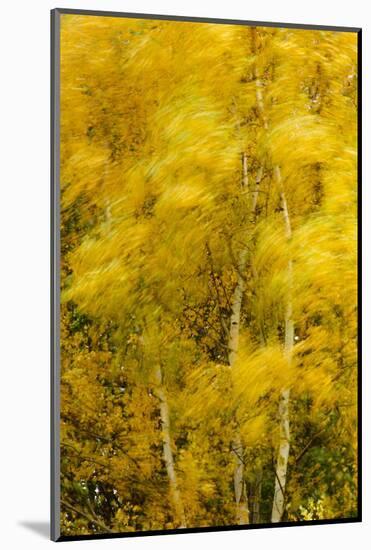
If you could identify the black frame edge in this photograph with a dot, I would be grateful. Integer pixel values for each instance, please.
(190, 19)
(54, 286)
(55, 272)
(215, 529)
(359, 265)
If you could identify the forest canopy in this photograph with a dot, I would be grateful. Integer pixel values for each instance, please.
(208, 275)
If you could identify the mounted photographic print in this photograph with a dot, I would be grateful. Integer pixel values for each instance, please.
(205, 210)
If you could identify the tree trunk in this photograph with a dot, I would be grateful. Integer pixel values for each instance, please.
(240, 489)
(255, 496)
(167, 451)
(242, 510)
(284, 416)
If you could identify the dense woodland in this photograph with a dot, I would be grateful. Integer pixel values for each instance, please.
(209, 285)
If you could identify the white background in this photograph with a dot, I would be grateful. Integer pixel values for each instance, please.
(24, 272)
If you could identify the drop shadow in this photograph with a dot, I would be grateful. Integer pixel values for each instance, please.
(41, 528)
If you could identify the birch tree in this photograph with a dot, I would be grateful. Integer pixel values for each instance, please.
(208, 204)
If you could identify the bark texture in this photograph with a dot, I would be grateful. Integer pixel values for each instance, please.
(278, 507)
(283, 411)
(242, 510)
(167, 451)
(240, 488)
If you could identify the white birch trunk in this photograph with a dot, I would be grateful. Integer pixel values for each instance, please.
(167, 451)
(240, 489)
(240, 492)
(282, 458)
(236, 303)
(284, 415)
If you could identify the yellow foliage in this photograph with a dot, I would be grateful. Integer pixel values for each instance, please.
(208, 177)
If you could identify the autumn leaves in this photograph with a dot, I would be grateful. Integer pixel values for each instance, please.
(205, 169)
